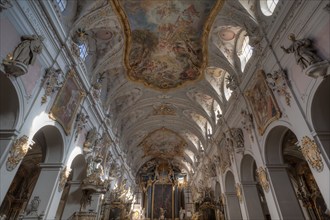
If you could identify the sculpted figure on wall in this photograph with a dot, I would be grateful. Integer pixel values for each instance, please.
(24, 54)
(27, 51)
(90, 140)
(305, 55)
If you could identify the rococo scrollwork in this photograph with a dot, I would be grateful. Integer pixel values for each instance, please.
(239, 192)
(312, 153)
(65, 173)
(18, 151)
(262, 178)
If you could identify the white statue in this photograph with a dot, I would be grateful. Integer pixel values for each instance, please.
(162, 214)
(142, 214)
(27, 51)
(182, 213)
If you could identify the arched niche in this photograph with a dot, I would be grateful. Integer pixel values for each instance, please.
(72, 192)
(232, 205)
(289, 206)
(257, 207)
(320, 113)
(51, 140)
(9, 112)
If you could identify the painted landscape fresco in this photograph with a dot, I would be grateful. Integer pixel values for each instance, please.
(165, 45)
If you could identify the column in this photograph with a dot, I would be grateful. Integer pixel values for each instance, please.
(47, 190)
(252, 200)
(233, 206)
(72, 204)
(284, 193)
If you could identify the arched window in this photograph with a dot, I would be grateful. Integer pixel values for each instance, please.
(83, 51)
(268, 6)
(245, 53)
(62, 4)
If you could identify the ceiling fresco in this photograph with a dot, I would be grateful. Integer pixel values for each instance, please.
(165, 66)
(163, 143)
(166, 39)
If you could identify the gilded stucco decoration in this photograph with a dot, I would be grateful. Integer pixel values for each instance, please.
(224, 155)
(312, 153)
(164, 109)
(81, 122)
(239, 194)
(247, 123)
(262, 178)
(17, 152)
(52, 81)
(167, 47)
(90, 141)
(163, 143)
(65, 173)
(278, 82)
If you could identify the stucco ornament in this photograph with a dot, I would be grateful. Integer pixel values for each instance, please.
(81, 122)
(24, 55)
(278, 82)
(306, 57)
(90, 141)
(32, 209)
(247, 123)
(5, 4)
(97, 87)
(263, 179)
(18, 151)
(65, 173)
(312, 153)
(239, 192)
(53, 80)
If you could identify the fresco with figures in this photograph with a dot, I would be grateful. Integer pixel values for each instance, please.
(166, 39)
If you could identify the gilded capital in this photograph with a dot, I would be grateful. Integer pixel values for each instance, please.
(311, 153)
(17, 152)
(263, 179)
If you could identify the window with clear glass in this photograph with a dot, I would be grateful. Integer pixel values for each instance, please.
(83, 51)
(268, 6)
(246, 52)
(62, 4)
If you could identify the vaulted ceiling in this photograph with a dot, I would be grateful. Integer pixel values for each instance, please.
(164, 66)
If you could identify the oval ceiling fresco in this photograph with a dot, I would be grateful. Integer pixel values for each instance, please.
(166, 39)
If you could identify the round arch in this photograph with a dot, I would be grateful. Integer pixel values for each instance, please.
(320, 117)
(233, 206)
(51, 138)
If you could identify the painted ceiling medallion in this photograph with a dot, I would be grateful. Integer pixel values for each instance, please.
(166, 40)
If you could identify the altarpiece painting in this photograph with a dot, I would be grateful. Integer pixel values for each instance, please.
(66, 104)
(163, 198)
(262, 103)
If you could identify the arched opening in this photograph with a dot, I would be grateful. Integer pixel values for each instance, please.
(320, 109)
(21, 188)
(255, 198)
(9, 112)
(233, 207)
(305, 186)
(301, 198)
(72, 192)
